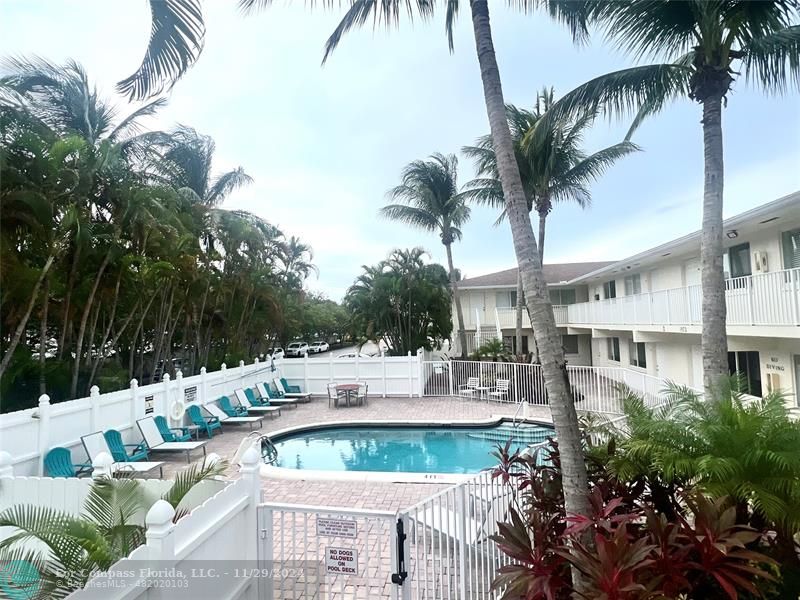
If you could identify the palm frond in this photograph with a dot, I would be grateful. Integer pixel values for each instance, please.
(225, 184)
(774, 59)
(190, 477)
(130, 125)
(176, 41)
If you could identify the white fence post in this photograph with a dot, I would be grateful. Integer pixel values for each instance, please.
(450, 377)
(224, 371)
(180, 394)
(203, 395)
(250, 472)
(305, 371)
(410, 376)
(419, 372)
(6, 468)
(165, 400)
(160, 542)
(102, 466)
(385, 380)
(94, 407)
(241, 375)
(254, 377)
(134, 402)
(44, 429)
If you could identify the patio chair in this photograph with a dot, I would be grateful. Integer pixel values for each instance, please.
(334, 395)
(263, 408)
(268, 397)
(155, 441)
(361, 394)
(500, 391)
(226, 418)
(171, 434)
(290, 389)
(230, 409)
(119, 448)
(58, 463)
(207, 424)
(95, 443)
(471, 389)
(301, 396)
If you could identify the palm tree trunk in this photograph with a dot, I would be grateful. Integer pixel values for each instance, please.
(562, 407)
(62, 343)
(43, 335)
(20, 330)
(518, 331)
(462, 334)
(73, 388)
(714, 336)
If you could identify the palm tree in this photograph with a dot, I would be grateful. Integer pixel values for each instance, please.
(554, 369)
(706, 45)
(430, 201)
(553, 167)
(296, 257)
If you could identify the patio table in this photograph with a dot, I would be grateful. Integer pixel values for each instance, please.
(347, 389)
(483, 391)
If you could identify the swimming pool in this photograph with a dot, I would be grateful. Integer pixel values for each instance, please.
(402, 449)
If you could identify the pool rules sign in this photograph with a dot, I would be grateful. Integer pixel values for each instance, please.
(341, 561)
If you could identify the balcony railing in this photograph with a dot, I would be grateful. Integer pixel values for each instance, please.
(507, 317)
(764, 299)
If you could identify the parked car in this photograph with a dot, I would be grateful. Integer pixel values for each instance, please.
(297, 349)
(318, 347)
(276, 353)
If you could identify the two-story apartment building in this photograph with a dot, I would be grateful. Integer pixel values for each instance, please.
(644, 312)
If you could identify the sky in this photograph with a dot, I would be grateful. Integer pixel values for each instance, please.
(324, 143)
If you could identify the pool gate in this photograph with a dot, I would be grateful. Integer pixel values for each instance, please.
(439, 548)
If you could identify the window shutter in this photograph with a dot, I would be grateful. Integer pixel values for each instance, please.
(791, 249)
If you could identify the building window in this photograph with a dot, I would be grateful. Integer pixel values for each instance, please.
(570, 344)
(505, 299)
(633, 285)
(638, 354)
(613, 348)
(562, 296)
(510, 342)
(736, 261)
(610, 289)
(791, 249)
(747, 367)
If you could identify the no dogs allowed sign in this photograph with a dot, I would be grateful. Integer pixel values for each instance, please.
(341, 561)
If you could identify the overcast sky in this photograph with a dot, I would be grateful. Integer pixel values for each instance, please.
(325, 143)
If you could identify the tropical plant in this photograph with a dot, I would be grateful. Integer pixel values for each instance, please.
(402, 300)
(430, 200)
(553, 167)
(706, 46)
(494, 349)
(736, 446)
(111, 526)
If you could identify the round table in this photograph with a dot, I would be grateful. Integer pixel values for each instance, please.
(347, 388)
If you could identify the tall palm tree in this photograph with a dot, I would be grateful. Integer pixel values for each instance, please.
(553, 167)
(707, 45)
(565, 417)
(296, 257)
(430, 201)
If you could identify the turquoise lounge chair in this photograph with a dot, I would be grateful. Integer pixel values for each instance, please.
(292, 389)
(269, 396)
(171, 434)
(119, 448)
(229, 409)
(207, 424)
(58, 463)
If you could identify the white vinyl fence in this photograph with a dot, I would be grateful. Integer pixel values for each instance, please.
(596, 389)
(29, 434)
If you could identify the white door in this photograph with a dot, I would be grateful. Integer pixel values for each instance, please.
(691, 269)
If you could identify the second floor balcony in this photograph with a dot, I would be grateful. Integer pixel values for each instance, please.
(766, 299)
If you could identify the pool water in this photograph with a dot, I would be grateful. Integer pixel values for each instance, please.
(458, 450)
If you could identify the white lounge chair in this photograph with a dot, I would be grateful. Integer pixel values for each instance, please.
(251, 408)
(263, 392)
(223, 418)
(301, 396)
(155, 441)
(471, 389)
(95, 444)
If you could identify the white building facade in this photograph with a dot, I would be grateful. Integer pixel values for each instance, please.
(644, 312)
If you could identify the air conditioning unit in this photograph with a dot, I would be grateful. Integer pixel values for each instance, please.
(761, 261)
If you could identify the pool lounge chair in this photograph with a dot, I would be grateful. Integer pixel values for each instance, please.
(155, 441)
(251, 408)
(172, 434)
(301, 396)
(95, 443)
(290, 389)
(226, 419)
(119, 448)
(268, 397)
(207, 424)
(58, 463)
